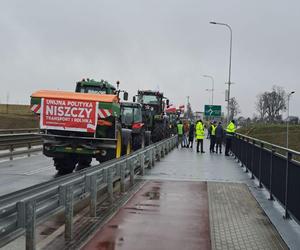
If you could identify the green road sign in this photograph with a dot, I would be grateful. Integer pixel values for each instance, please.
(212, 110)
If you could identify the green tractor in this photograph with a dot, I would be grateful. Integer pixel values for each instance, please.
(153, 107)
(77, 127)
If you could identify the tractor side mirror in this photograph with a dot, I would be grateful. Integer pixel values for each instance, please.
(125, 96)
(167, 102)
(133, 99)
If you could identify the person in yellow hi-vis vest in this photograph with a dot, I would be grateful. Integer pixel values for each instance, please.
(230, 130)
(179, 133)
(213, 127)
(199, 135)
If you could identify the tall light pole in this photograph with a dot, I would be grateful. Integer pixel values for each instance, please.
(212, 88)
(229, 75)
(287, 119)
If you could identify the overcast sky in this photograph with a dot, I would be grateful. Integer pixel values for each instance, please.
(151, 44)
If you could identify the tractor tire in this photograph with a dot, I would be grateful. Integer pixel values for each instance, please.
(138, 141)
(84, 162)
(65, 165)
(159, 132)
(147, 138)
(113, 153)
(126, 142)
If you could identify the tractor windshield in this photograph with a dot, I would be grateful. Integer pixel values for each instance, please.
(131, 115)
(93, 90)
(149, 99)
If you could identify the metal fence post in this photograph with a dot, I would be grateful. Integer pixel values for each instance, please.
(163, 151)
(30, 225)
(93, 195)
(142, 160)
(241, 151)
(158, 153)
(21, 208)
(260, 164)
(110, 187)
(271, 173)
(69, 213)
(131, 172)
(288, 160)
(11, 151)
(153, 156)
(246, 158)
(122, 176)
(252, 159)
(29, 147)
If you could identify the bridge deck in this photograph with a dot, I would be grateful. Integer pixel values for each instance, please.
(191, 201)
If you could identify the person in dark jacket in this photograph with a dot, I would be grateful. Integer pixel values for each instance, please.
(191, 135)
(219, 137)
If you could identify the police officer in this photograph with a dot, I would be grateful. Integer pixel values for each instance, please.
(199, 135)
(212, 137)
(230, 130)
(180, 133)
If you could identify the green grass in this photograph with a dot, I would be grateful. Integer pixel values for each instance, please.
(15, 116)
(275, 134)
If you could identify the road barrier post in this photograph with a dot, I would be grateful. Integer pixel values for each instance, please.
(142, 160)
(252, 159)
(271, 173)
(110, 188)
(69, 213)
(246, 160)
(288, 160)
(30, 225)
(122, 175)
(93, 195)
(131, 168)
(153, 153)
(260, 164)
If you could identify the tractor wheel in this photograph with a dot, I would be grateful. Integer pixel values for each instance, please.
(65, 165)
(84, 162)
(113, 153)
(159, 132)
(138, 141)
(147, 138)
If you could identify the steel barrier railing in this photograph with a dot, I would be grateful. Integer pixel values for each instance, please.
(21, 211)
(24, 141)
(274, 167)
(18, 131)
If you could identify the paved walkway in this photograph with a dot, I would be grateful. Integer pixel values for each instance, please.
(239, 213)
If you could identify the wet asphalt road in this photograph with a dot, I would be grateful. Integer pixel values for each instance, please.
(24, 172)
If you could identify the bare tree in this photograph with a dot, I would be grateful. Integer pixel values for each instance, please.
(270, 105)
(261, 107)
(234, 108)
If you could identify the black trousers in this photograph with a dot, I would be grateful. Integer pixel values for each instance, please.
(228, 144)
(219, 144)
(191, 142)
(200, 141)
(212, 143)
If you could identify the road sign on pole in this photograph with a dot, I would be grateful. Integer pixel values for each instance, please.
(212, 110)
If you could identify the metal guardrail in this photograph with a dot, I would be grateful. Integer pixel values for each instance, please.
(275, 169)
(19, 131)
(11, 142)
(21, 211)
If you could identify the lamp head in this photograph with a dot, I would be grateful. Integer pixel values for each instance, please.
(212, 22)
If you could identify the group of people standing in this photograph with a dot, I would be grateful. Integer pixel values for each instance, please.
(187, 132)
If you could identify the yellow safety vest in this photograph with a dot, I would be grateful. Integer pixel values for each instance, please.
(230, 128)
(199, 131)
(180, 129)
(213, 129)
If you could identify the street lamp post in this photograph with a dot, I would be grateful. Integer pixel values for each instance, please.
(212, 88)
(287, 119)
(229, 75)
